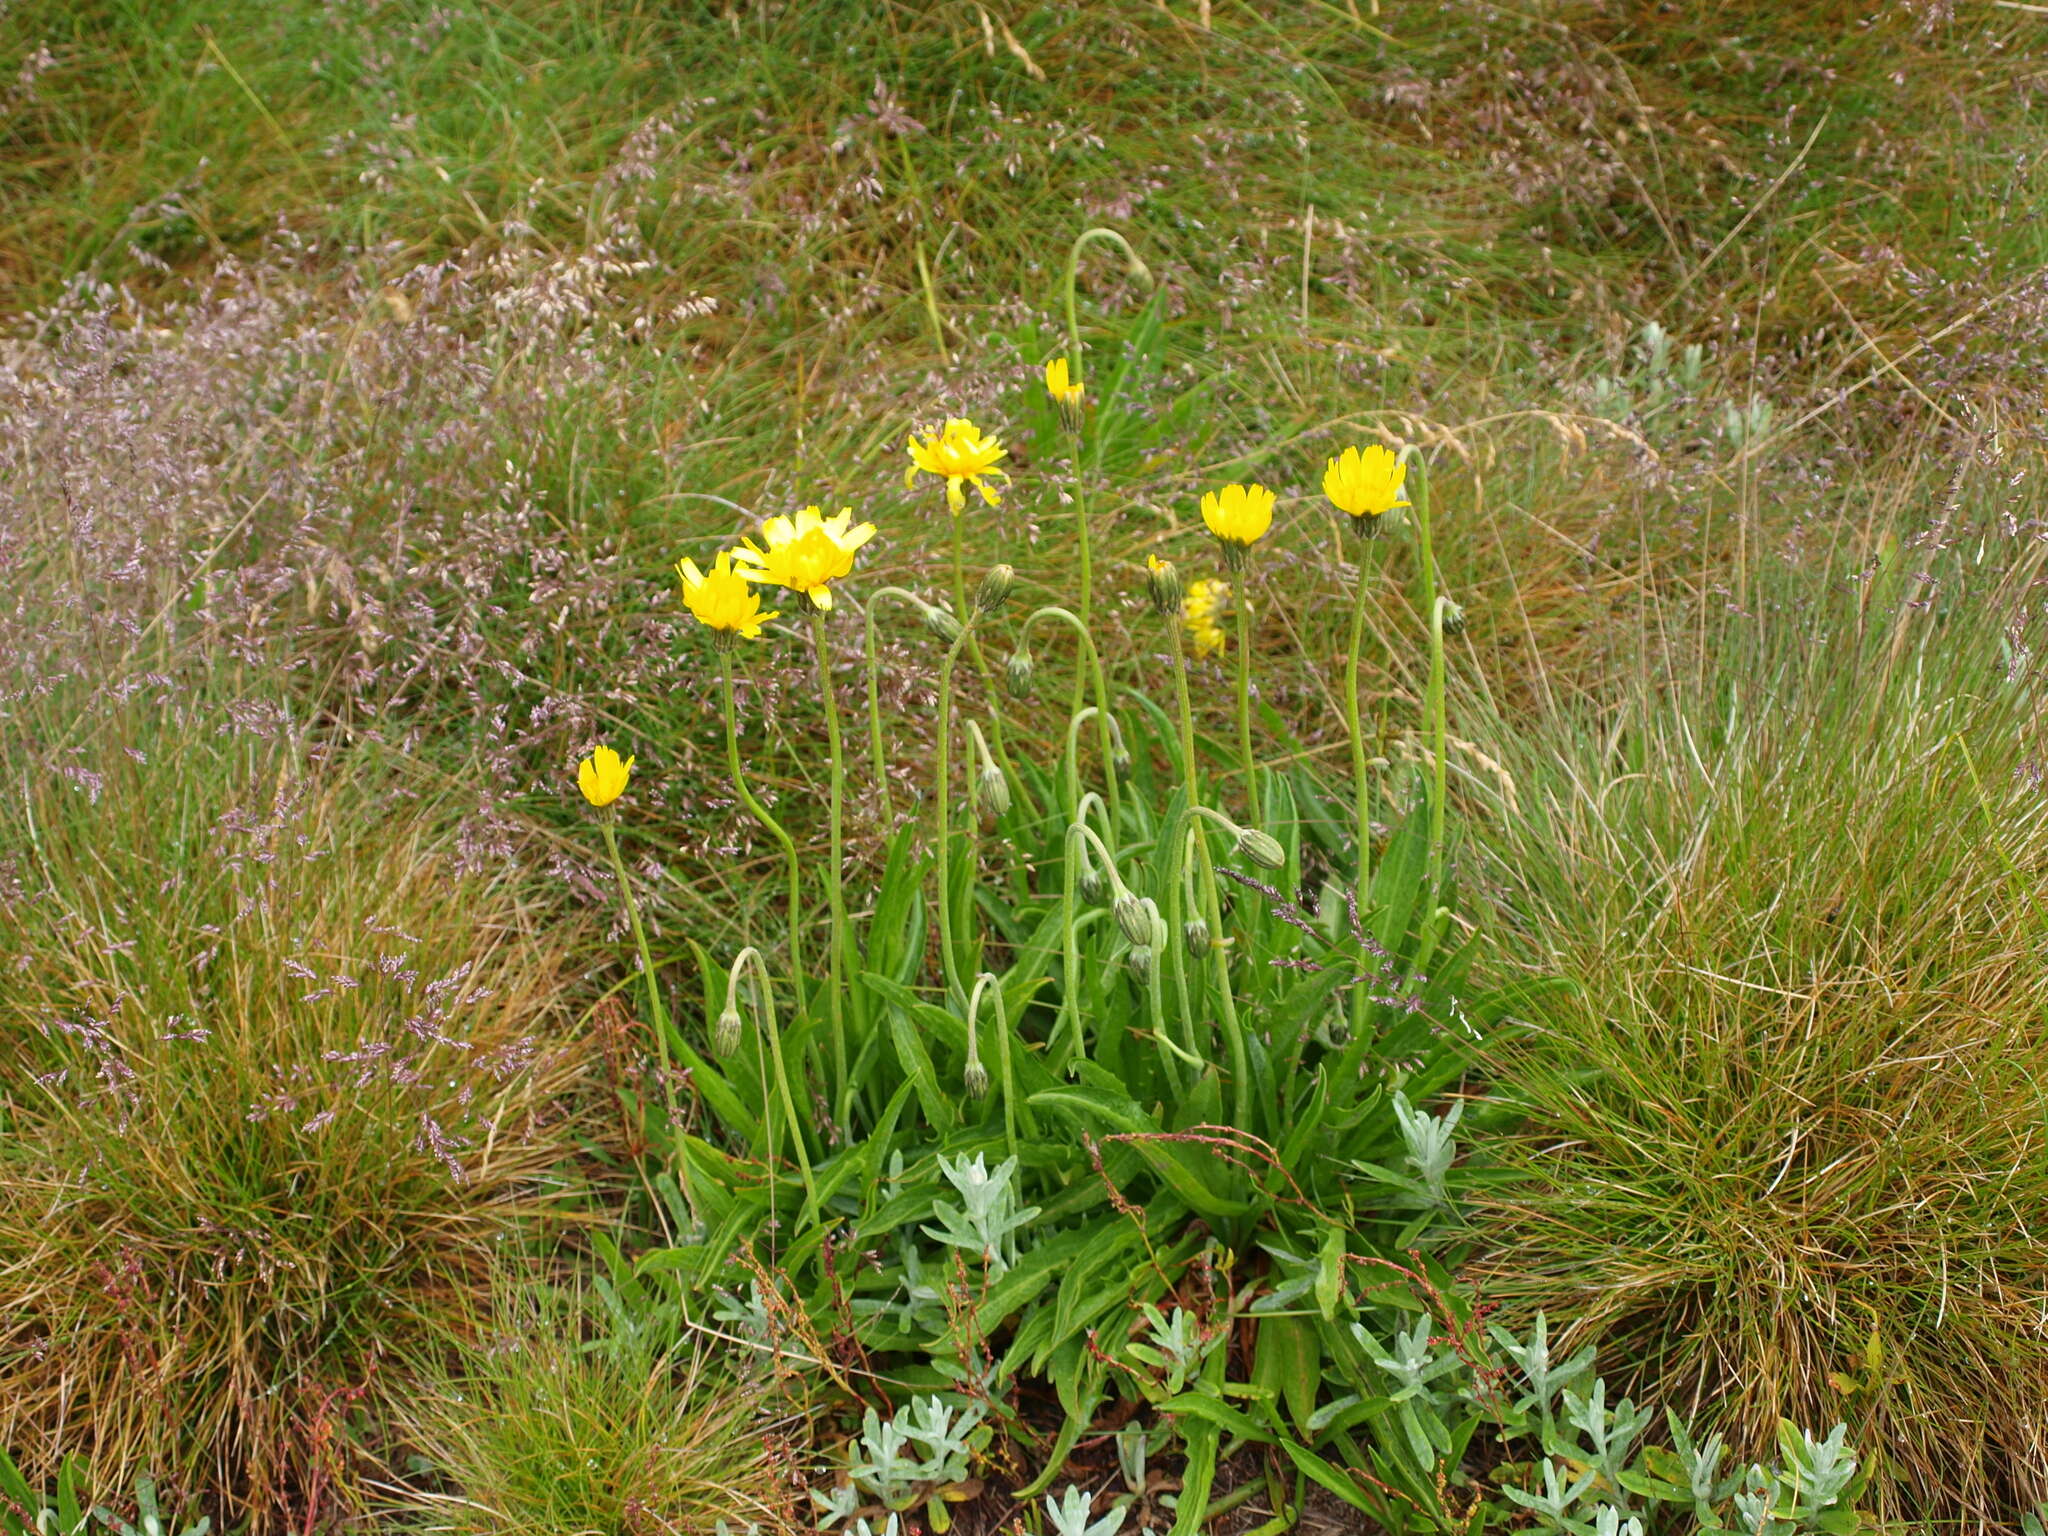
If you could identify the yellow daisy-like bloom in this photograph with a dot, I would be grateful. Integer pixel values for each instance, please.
(1366, 484)
(602, 776)
(722, 598)
(1205, 601)
(1239, 516)
(960, 455)
(805, 554)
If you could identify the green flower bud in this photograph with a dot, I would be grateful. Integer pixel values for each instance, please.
(1196, 933)
(1140, 959)
(975, 1079)
(1261, 848)
(725, 1034)
(1017, 673)
(992, 790)
(1091, 887)
(1454, 618)
(995, 588)
(940, 623)
(1134, 914)
(1163, 586)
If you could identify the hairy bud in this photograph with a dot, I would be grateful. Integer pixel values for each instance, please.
(995, 588)
(725, 1034)
(1017, 673)
(1141, 961)
(1454, 618)
(1261, 848)
(975, 1079)
(940, 623)
(992, 790)
(1196, 933)
(1134, 915)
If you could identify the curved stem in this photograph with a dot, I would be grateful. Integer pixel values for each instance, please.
(764, 1002)
(1139, 270)
(835, 882)
(1093, 674)
(989, 984)
(774, 828)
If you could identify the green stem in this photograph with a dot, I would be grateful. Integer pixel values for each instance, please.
(1133, 265)
(966, 614)
(764, 1001)
(1418, 481)
(1212, 905)
(835, 884)
(944, 790)
(774, 828)
(1361, 780)
(1092, 673)
(661, 1024)
(1244, 701)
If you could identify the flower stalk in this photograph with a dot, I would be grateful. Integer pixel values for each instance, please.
(774, 828)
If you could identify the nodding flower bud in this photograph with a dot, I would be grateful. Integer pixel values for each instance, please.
(940, 623)
(995, 588)
(1163, 587)
(1196, 933)
(1140, 959)
(1338, 1028)
(1017, 673)
(1090, 886)
(1119, 754)
(975, 1079)
(1261, 848)
(725, 1034)
(1454, 618)
(992, 789)
(1135, 915)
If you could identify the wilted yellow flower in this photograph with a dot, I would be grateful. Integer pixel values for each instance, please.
(722, 599)
(1065, 391)
(1365, 485)
(1205, 601)
(602, 776)
(1239, 516)
(960, 455)
(805, 554)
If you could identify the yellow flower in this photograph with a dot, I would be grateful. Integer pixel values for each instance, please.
(1366, 485)
(1205, 602)
(961, 455)
(805, 554)
(1065, 391)
(602, 776)
(1239, 516)
(723, 599)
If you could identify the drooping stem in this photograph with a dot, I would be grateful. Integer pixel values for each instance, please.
(764, 1002)
(774, 829)
(1242, 612)
(1091, 673)
(964, 611)
(835, 883)
(1133, 265)
(943, 791)
(1212, 905)
(1361, 773)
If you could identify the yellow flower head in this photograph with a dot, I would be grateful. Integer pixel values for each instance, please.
(722, 599)
(1239, 516)
(1205, 601)
(602, 776)
(959, 454)
(805, 554)
(1365, 484)
(1064, 389)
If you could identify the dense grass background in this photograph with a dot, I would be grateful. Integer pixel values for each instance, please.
(369, 364)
